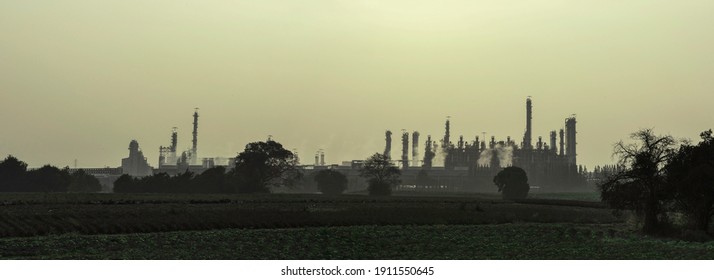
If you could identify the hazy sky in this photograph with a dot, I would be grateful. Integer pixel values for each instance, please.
(80, 79)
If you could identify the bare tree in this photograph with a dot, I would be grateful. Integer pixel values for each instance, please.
(641, 184)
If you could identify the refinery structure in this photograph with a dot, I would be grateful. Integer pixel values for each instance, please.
(471, 165)
(172, 163)
(440, 165)
(467, 166)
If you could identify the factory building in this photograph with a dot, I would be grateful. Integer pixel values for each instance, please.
(136, 164)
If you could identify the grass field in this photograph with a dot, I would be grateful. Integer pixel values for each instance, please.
(25, 215)
(504, 241)
(290, 226)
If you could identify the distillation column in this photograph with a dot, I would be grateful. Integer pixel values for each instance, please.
(405, 150)
(415, 148)
(570, 143)
(194, 152)
(527, 138)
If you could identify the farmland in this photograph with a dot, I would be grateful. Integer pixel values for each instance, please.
(503, 241)
(290, 226)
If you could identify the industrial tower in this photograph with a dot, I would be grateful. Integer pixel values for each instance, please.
(194, 152)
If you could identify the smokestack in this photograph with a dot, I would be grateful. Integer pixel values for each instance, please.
(322, 158)
(552, 141)
(562, 143)
(194, 153)
(405, 149)
(529, 114)
(415, 148)
(446, 141)
(174, 140)
(388, 146)
(570, 140)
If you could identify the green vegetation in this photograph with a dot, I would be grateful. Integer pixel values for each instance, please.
(504, 241)
(272, 226)
(26, 215)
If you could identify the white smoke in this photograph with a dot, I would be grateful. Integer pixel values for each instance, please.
(485, 158)
(504, 154)
(439, 155)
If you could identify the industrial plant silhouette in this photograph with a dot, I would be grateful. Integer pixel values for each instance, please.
(463, 166)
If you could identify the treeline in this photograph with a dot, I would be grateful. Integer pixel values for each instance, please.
(214, 180)
(261, 167)
(14, 177)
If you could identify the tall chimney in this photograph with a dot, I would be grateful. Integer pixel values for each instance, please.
(570, 140)
(527, 139)
(415, 148)
(405, 149)
(562, 143)
(174, 139)
(194, 153)
(388, 146)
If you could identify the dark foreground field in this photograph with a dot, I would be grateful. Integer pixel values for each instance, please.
(113, 226)
(505, 241)
(28, 215)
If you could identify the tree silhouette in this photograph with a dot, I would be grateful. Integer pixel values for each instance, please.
(331, 182)
(83, 182)
(381, 174)
(690, 173)
(12, 174)
(49, 179)
(212, 180)
(125, 184)
(640, 184)
(512, 182)
(263, 166)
